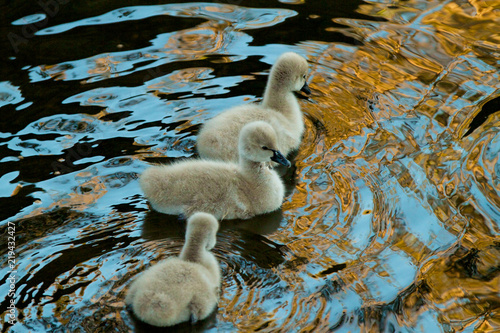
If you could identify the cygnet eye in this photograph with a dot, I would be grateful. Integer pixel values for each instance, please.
(304, 76)
(265, 148)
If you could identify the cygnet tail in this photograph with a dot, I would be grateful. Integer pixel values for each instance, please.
(157, 309)
(197, 312)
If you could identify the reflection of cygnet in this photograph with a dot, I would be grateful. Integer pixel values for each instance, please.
(226, 190)
(218, 138)
(181, 288)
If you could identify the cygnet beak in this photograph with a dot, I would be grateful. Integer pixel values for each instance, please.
(279, 158)
(305, 89)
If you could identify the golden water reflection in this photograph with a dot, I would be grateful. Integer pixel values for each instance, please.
(394, 112)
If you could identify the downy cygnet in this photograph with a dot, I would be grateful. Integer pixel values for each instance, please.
(181, 288)
(225, 189)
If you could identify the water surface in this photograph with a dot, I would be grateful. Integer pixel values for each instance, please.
(391, 223)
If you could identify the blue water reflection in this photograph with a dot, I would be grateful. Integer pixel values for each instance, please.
(221, 34)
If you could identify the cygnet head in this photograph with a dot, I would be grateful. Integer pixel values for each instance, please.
(290, 71)
(202, 228)
(259, 143)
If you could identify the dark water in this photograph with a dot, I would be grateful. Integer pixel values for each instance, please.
(392, 223)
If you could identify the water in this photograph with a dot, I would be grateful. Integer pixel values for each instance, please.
(391, 223)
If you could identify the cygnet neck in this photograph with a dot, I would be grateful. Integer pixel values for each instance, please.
(249, 166)
(279, 97)
(195, 246)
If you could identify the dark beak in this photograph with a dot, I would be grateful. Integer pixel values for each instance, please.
(279, 158)
(306, 89)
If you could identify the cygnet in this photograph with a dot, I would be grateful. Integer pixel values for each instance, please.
(225, 189)
(218, 138)
(181, 288)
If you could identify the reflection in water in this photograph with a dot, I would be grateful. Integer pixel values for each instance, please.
(391, 221)
(9, 94)
(221, 34)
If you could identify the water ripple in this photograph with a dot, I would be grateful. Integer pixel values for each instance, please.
(219, 35)
(391, 218)
(243, 18)
(9, 94)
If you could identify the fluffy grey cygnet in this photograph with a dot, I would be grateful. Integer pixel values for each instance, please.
(225, 189)
(218, 138)
(182, 288)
